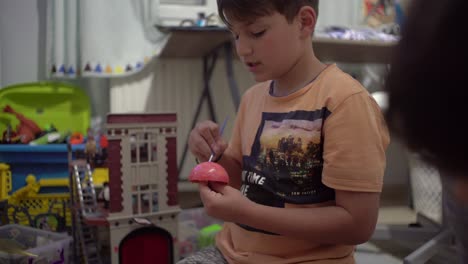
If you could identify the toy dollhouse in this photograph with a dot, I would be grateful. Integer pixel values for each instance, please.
(143, 176)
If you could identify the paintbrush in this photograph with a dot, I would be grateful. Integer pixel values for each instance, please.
(220, 134)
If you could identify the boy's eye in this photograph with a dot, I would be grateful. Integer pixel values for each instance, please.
(259, 33)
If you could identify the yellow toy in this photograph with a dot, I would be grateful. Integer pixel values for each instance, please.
(5, 181)
(100, 176)
(31, 189)
(28, 197)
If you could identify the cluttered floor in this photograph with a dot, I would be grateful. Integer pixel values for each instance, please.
(196, 230)
(394, 212)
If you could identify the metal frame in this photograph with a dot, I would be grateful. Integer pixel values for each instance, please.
(209, 63)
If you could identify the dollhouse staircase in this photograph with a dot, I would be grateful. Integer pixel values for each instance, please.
(85, 205)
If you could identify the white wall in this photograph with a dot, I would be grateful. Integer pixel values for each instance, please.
(332, 12)
(22, 51)
(340, 13)
(19, 41)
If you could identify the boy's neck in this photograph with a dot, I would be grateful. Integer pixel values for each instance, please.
(307, 68)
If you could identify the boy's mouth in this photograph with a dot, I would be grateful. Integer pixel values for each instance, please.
(252, 64)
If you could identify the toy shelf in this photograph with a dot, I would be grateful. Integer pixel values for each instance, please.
(44, 162)
(195, 42)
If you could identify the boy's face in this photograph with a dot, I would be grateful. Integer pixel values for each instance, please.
(268, 46)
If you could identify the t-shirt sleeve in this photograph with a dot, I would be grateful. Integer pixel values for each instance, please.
(355, 140)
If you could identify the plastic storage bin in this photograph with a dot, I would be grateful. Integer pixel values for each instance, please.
(65, 106)
(49, 247)
(47, 161)
(196, 230)
(62, 105)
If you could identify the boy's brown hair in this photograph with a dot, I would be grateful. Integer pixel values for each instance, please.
(249, 10)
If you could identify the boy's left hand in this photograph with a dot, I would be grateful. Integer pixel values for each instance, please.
(224, 202)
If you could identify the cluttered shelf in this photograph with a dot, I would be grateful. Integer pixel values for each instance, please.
(192, 42)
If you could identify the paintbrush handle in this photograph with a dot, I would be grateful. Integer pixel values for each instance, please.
(221, 131)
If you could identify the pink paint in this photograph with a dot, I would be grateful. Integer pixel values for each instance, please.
(209, 172)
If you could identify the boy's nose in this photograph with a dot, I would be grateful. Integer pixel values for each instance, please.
(243, 48)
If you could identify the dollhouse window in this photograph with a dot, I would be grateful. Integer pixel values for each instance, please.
(143, 152)
(154, 152)
(144, 203)
(135, 203)
(155, 202)
(145, 199)
(133, 149)
(143, 148)
(144, 171)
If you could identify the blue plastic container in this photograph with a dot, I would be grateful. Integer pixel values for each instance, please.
(44, 161)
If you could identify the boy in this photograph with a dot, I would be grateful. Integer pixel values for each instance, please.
(307, 154)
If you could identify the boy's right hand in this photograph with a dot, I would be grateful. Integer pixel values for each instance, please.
(205, 139)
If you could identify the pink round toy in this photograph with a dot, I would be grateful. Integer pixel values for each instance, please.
(209, 172)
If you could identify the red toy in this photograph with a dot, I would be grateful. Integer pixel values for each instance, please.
(209, 172)
(27, 128)
(76, 138)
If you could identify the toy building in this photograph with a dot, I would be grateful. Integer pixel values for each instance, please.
(143, 177)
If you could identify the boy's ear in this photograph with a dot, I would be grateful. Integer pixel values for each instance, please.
(307, 19)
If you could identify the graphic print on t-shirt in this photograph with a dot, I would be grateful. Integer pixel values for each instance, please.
(286, 161)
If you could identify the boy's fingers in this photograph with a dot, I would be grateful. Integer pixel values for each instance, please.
(206, 140)
(217, 187)
(206, 191)
(209, 132)
(222, 145)
(198, 146)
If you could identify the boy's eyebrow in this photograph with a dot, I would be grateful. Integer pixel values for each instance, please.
(246, 24)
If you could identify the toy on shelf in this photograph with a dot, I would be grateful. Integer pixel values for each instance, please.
(27, 129)
(9, 136)
(85, 209)
(27, 206)
(5, 181)
(65, 106)
(48, 112)
(142, 161)
(31, 189)
(104, 195)
(50, 138)
(91, 148)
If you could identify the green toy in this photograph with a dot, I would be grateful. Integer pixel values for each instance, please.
(206, 236)
(65, 105)
(52, 137)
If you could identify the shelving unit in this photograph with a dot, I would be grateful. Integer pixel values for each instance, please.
(196, 42)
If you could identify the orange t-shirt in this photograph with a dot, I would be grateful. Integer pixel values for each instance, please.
(295, 151)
